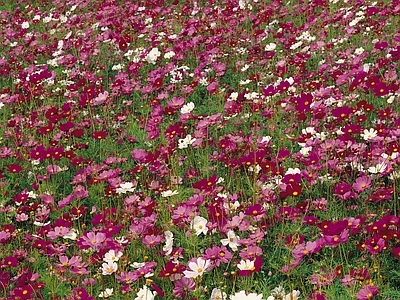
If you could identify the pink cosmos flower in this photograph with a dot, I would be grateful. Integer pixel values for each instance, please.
(361, 184)
(367, 292)
(127, 277)
(94, 240)
(183, 286)
(152, 240)
(58, 232)
(218, 255)
(197, 267)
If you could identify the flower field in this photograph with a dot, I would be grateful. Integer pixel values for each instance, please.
(219, 149)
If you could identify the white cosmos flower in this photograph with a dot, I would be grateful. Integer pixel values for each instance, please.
(111, 256)
(187, 108)
(217, 294)
(152, 56)
(246, 265)
(169, 54)
(294, 295)
(107, 293)
(169, 193)
(243, 296)
(293, 171)
(379, 168)
(71, 235)
(197, 268)
(231, 240)
(270, 47)
(184, 143)
(169, 242)
(109, 268)
(145, 294)
(25, 25)
(125, 187)
(296, 45)
(199, 225)
(305, 151)
(369, 134)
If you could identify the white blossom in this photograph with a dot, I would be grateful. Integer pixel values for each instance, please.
(199, 225)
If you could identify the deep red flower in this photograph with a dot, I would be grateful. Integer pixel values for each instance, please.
(294, 189)
(10, 261)
(380, 89)
(24, 292)
(294, 239)
(14, 168)
(171, 268)
(99, 135)
(396, 252)
(254, 210)
(333, 228)
(206, 184)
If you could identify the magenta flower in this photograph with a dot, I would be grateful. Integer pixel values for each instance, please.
(361, 184)
(217, 255)
(95, 241)
(183, 286)
(127, 277)
(152, 240)
(58, 232)
(367, 292)
(212, 87)
(375, 248)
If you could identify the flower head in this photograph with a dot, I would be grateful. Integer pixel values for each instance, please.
(197, 268)
(243, 296)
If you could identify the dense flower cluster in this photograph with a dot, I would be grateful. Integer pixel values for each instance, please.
(176, 149)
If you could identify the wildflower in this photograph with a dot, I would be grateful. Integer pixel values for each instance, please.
(197, 268)
(152, 240)
(183, 286)
(25, 25)
(125, 187)
(378, 168)
(199, 225)
(277, 293)
(169, 193)
(218, 255)
(231, 240)
(94, 240)
(152, 56)
(109, 268)
(270, 47)
(246, 265)
(243, 296)
(294, 295)
(184, 143)
(367, 292)
(14, 168)
(22, 217)
(99, 135)
(217, 294)
(107, 293)
(24, 292)
(111, 256)
(127, 277)
(187, 108)
(362, 183)
(396, 252)
(169, 54)
(169, 241)
(369, 134)
(145, 294)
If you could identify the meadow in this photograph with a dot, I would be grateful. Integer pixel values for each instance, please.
(219, 149)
